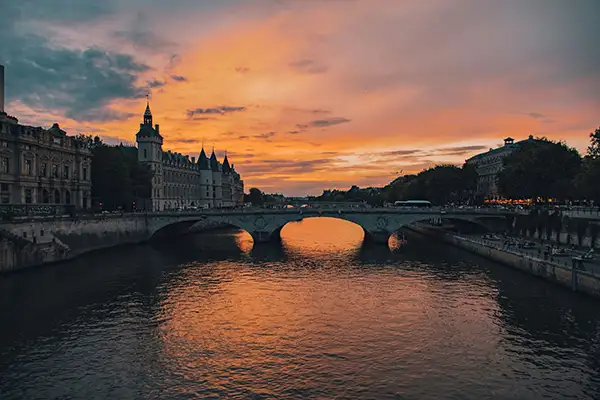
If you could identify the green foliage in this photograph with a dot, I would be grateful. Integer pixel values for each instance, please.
(440, 185)
(255, 196)
(594, 147)
(541, 168)
(118, 179)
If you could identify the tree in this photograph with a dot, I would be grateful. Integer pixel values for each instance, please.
(593, 150)
(118, 179)
(541, 168)
(255, 196)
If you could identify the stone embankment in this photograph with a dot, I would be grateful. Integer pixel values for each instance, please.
(583, 277)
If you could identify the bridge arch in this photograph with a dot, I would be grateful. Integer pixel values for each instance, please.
(266, 225)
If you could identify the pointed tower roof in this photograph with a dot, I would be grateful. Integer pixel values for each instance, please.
(147, 113)
(226, 167)
(203, 160)
(214, 163)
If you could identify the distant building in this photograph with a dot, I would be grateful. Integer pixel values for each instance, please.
(180, 181)
(41, 166)
(489, 164)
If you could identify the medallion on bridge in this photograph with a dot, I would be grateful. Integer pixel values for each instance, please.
(382, 222)
(260, 223)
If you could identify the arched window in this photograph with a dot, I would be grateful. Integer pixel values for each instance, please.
(145, 154)
(45, 196)
(67, 197)
(56, 197)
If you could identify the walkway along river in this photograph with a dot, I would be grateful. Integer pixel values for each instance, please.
(319, 316)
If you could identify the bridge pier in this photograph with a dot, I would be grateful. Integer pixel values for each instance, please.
(265, 237)
(378, 237)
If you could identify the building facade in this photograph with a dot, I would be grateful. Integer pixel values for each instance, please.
(180, 181)
(41, 166)
(489, 164)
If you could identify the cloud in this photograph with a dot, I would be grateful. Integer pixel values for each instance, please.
(178, 78)
(265, 135)
(242, 70)
(293, 132)
(329, 122)
(143, 38)
(243, 137)
(535, 115)
(308, 66)
(214, 110)
(156, 83)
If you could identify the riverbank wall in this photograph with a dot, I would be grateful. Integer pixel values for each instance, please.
(570, 276)
(46, 240)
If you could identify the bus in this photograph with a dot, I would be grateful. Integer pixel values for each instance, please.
(413, 203)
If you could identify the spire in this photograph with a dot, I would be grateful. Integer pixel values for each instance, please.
(147, 113)
(214, 164)
(226, 167)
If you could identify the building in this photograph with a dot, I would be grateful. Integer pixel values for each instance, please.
(180, 181)
(41, 166)
(489, 164)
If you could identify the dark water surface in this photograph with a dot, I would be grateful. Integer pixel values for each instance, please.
(319, 317)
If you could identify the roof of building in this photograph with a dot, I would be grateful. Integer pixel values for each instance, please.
(226, 167)
(501, 149)
(203, 160)
(214, 163)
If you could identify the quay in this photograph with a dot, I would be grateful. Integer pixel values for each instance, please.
(583, 277)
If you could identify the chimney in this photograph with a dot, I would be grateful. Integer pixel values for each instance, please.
(1, 88)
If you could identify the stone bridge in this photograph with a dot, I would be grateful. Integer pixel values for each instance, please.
(36, 240)
(265, 225)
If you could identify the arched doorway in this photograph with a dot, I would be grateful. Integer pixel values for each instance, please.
(45, 196)
(56, 196)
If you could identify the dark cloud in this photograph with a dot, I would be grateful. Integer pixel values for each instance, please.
(156, 83)
(535, 115)
(308, 66)
(185, 141)
(103, 115)
(178, 78)
(266, 135)
(80, 83)
(244, 137)
(242, 70)
(457, 151)
(214, 110)
(396, 153)
(293, 132)
(329, 122)
(302, 126)
(285, 166)
(143, 38)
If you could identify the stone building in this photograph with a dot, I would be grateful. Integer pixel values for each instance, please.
(489, 164)
(41, 166)
(180, 181)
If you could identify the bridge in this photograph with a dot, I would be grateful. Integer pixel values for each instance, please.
(32, 240)
(265, 225)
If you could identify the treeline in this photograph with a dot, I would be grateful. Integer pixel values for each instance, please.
(119, 181)
(258, 198)
(538, 169)
(544, 169)
(550, 225)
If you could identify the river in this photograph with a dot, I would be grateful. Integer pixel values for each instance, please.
(318, 317)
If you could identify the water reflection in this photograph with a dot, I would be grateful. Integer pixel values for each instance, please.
(319, 315)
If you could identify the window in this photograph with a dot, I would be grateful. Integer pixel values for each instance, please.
(4, 193)
(145, 154)
(44, 170)
(28, 167)
(66, 172)
(67, 197)
(85, 173)
(4, 144)
(45, 197)
(5, 165)
(56, 197)
(55, 170)
(28, 196)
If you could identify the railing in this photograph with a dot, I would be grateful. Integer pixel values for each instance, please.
(567, 262)
(12, 211)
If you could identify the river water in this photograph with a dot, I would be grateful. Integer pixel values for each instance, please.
(319, 317)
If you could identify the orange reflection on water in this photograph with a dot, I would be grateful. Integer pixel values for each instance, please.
(321, 235)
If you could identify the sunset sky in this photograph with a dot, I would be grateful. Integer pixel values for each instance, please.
(309, 94)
